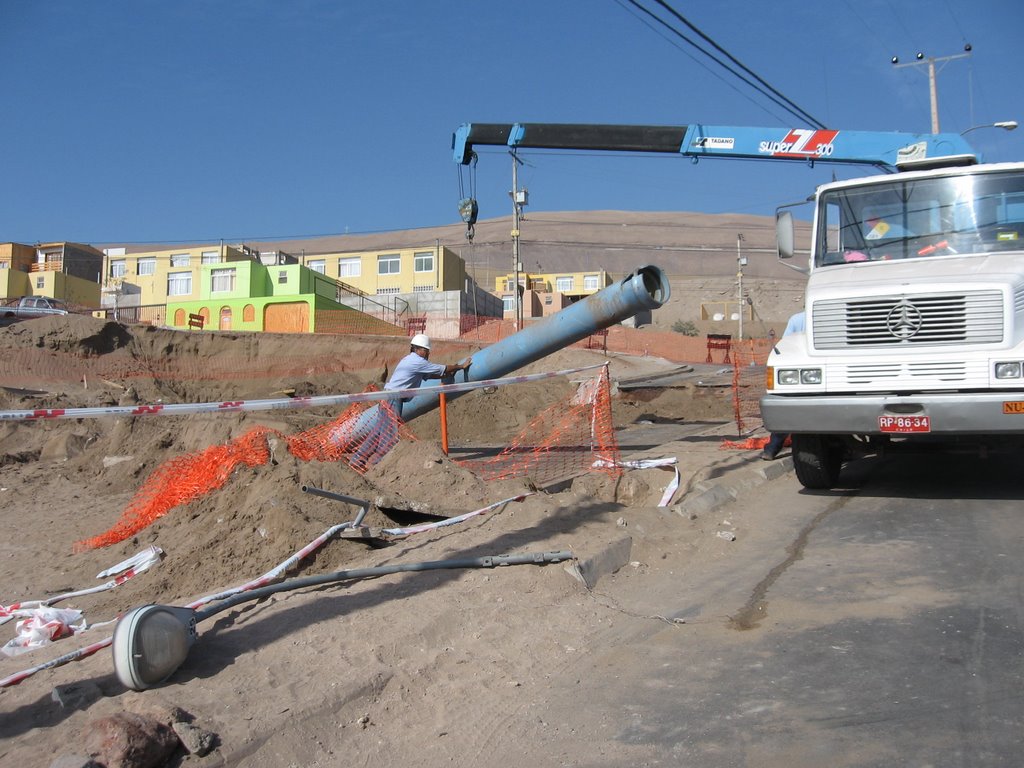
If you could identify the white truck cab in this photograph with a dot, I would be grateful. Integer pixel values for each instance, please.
(914, 318)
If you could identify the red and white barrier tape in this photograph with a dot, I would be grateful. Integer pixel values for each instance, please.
(274, 572)
(232, 406)
(76, 655)
(670, 489)
(123, 571)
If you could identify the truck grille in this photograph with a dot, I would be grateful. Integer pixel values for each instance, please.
(908, 375)
(931, 319)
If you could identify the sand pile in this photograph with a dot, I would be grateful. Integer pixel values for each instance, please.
(64, 481)
(69, 480)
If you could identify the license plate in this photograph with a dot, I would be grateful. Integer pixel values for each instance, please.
(1013, 406)
(903, 425)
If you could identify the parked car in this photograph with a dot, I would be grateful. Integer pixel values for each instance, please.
(33, 306)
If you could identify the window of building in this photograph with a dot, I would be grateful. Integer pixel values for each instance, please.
(179, 284)
(508, 303)
(350, 267)
(387, 291)
(590, 282)
(423, 261)
(282, 277)
(179, 260)
(249, 313)
(222, 280)
(422, 288)
(179, 317)
(389, 264)
(209, 257)
(146, 266)
(318, 265)
(40, 283)
(563, 284)
(118, 268)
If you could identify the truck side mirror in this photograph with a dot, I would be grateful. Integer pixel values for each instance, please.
(784, 234)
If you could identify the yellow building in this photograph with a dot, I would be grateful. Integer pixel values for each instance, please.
(142, 283)
(156, 277)
(67, 271)
(545, 294)
(395, 271)
(391, 285)
(247, 295)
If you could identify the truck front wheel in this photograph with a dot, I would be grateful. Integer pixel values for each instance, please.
(817, 460)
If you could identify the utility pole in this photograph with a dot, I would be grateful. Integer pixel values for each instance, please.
(741, 262)
(932, 86)
(518, 201)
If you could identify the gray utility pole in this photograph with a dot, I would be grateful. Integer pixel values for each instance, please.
(741, 304)
(519, 199)
(932, 87)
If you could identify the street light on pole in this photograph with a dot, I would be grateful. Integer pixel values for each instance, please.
(932, 86)
(1006, 125)
(741, 262)
(519, 199)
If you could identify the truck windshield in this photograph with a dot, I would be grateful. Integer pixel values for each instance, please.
(941, 216)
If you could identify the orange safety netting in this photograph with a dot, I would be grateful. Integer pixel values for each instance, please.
(750, 444)
(35, 367)
(186, 478)
(748, 382)
(181, 480)
(561, 442)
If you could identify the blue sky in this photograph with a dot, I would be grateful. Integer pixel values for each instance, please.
(141, 121)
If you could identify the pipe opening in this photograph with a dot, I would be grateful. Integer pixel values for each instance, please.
(655, 283)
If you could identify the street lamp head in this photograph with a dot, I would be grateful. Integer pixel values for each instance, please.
(1006, 125)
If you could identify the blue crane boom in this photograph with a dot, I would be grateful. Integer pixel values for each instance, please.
(890, 151)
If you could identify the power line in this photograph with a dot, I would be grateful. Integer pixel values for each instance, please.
(799, 111)
(625, 3)
(763, 88)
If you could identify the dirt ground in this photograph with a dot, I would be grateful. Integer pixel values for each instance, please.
(393, 670)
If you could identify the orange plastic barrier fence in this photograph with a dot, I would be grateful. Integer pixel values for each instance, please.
(350, 321)
(748, 382)
(35, 367)
(563, 441)
(750, 444)
(181, 480)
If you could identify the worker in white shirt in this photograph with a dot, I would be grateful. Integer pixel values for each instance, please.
(416, 366)
(409, 374)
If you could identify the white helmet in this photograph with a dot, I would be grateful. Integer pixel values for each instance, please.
(421, 340)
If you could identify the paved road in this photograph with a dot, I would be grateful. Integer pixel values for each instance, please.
(881, 626)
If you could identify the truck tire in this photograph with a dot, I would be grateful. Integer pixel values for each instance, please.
(817, 461)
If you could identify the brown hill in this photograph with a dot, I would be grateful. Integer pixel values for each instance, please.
(697, 251)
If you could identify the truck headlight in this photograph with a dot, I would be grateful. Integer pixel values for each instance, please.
(793, 376)
(789, 376)
(1010, 370)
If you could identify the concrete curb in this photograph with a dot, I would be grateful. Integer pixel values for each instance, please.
(709, 496)
(610, 558)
